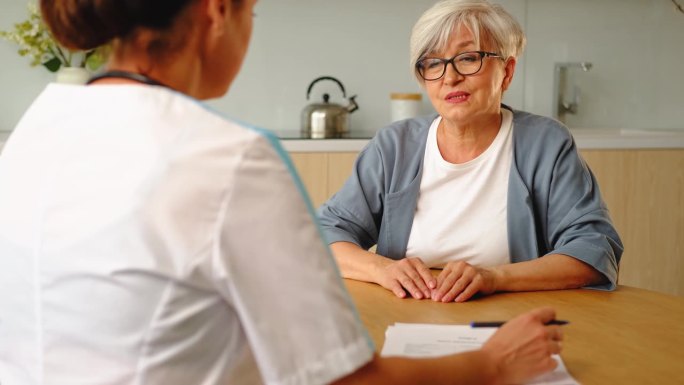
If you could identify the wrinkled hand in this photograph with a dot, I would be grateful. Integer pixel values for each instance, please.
(521, 349)
(410, 274)
(459, 281)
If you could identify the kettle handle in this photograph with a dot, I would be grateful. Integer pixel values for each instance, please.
(308, 91)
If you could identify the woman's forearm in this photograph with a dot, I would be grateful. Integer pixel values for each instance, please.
(357, 263)
(550, 272)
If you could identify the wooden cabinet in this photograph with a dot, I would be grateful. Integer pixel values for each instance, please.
(323, 173)
(644, 191)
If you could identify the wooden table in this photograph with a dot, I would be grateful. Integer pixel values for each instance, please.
(629, 336)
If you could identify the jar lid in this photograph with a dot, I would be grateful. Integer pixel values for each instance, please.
(405, 96)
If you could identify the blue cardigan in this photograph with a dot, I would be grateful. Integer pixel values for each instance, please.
(554, 203)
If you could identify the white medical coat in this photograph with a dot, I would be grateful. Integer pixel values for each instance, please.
(144, 239)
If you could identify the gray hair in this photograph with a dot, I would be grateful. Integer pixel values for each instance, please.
(488, 22)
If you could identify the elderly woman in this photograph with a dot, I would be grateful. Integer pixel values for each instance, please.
(499, 199)
(144, 238)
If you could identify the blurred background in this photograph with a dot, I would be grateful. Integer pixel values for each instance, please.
(635, 49)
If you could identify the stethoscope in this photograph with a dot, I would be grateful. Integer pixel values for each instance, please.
(115, 74)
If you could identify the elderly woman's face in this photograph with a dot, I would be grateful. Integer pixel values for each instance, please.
(470, 99)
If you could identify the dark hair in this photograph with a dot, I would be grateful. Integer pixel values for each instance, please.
(86, 24)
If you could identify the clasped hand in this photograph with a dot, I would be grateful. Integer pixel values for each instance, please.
(458, 281)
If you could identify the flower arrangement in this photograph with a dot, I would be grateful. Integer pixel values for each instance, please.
(35, 41)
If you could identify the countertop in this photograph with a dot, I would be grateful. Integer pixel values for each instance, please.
(586, 138)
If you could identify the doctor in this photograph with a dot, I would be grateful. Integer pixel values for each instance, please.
(146, 239)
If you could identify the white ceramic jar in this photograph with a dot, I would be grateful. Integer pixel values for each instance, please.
(405, 105)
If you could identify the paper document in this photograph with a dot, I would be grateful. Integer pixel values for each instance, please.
(427, 340)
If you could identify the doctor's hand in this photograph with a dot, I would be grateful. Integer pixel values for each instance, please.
(406, 275)
(521, 349)
(459, 281)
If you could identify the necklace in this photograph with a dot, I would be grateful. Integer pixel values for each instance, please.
(115, 74)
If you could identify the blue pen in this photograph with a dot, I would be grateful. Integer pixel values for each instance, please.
(496, 324)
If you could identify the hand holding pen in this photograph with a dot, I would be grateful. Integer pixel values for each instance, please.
(523, 347)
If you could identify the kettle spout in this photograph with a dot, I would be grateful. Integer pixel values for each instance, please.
(352, 104)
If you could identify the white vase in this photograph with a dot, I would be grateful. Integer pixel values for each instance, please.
(72, 75)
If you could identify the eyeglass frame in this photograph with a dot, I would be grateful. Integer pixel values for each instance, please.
(483, 54)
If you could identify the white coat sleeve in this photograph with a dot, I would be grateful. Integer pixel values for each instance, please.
(272, 266)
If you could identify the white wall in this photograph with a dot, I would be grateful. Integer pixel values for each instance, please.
(636, 47)
(365, 45)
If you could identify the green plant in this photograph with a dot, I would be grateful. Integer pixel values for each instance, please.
(35, 41)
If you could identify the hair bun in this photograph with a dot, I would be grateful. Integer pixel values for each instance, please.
(86, 24)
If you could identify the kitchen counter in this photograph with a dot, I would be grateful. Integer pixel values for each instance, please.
(296, 141)
(586, 138)
(608, 139)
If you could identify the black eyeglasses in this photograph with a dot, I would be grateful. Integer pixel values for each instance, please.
(466, 63)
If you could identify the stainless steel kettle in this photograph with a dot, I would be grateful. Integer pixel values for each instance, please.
(327, 120)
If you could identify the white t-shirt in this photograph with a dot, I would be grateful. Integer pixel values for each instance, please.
(461, 209)
(146, 240)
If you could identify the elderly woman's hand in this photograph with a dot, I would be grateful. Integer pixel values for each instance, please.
(410, 274)
(459, 281)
